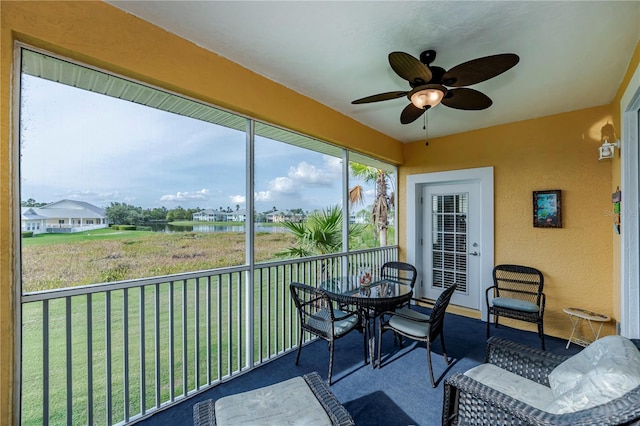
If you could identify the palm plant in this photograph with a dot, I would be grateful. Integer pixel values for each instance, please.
(383, 201)
(320, 234)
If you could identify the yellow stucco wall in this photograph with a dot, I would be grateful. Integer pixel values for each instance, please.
(100, 35)
(555, 152)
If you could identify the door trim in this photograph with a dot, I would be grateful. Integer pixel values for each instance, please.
(630, 234)
(484, 177)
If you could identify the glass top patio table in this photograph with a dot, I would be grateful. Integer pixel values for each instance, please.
(371, 300)
(381, 294)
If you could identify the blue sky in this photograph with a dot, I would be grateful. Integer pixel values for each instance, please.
(80, 145)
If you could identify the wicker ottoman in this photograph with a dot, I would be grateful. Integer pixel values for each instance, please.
(302, 400)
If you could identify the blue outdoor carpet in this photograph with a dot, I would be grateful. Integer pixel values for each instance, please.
(399, 393)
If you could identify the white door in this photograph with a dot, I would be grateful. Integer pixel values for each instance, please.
(451, 242)
(630, 238)
(475, 237)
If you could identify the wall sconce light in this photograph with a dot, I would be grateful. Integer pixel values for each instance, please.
(607, 149)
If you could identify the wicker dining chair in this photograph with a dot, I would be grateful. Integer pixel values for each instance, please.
(404, 273)
(418, 326)
(516, 293)
(318, 316)
(401, 272)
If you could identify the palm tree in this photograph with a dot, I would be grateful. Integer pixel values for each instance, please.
(383, 201)
(320, 234)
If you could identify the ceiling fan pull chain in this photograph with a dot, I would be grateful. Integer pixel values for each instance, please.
(426, 129)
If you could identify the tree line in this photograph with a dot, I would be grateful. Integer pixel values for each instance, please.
(127, 214)
(383, 202)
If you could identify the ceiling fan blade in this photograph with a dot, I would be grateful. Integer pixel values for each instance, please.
(465, 98)
(480, 69)
(411, 113)
(380, 97)
(409, 68)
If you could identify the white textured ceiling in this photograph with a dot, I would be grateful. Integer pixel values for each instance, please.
(573, 54)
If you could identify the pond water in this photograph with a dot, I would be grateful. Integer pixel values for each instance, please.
(168, 228)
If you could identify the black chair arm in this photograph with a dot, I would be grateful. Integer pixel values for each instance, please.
(472, 400)
(492, 288)
(348, 314)
(531, 363)
(468, 398)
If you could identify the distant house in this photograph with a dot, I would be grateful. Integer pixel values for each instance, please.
(237, 216)
(285, 216)
(209, 215)
(64, 216)
(32, 221)
(276, 217)
(361, 217)
(297, 217)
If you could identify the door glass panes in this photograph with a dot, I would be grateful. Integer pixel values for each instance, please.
(372, 202)
(122, 181)
(449, 230)
(297, 195)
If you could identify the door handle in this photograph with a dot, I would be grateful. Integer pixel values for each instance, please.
(474, 253)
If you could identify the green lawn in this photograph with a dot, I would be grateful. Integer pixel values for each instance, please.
(69, 238)
(224, 344)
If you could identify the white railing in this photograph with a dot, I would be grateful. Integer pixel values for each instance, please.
(117, 352)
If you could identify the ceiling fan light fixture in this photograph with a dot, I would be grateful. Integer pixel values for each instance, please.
(428, 83)
(427, 96)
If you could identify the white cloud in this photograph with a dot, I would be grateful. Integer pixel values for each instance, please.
(203, 194)
(306, 173)
(238, 199)
(302, 182)
(283, 185)
(333, 165)
(262, 196)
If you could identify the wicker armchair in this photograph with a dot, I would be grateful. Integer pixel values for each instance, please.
(469, 402)
(516, 293)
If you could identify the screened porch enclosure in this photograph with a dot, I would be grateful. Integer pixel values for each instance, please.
(144, 326)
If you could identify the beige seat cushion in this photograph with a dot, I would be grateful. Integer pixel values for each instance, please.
(285, 403)
(518, 387)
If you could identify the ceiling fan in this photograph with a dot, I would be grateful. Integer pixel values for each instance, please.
(428, 82)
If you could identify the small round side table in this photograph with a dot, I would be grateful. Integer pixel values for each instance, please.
(576, 315)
